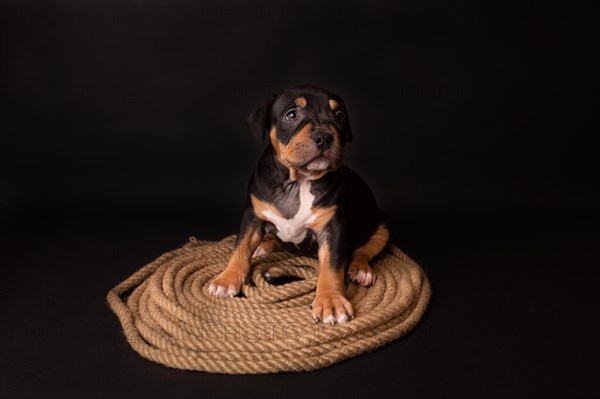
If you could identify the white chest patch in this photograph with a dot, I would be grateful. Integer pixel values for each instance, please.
(294, 229)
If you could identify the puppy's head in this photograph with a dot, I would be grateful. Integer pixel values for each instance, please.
(308, 128)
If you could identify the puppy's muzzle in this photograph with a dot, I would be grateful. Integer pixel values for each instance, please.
(322, 139)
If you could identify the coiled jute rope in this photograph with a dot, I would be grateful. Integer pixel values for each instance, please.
(169, 317)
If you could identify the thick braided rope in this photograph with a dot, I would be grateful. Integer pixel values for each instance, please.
(169, 317)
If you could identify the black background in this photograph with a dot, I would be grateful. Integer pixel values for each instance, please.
(122, 134)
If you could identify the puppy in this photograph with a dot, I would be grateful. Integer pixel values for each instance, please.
(302, 195)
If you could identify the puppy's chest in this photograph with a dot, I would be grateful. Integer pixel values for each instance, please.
(293, 229)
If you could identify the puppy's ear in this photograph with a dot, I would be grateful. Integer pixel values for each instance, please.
(259, 121)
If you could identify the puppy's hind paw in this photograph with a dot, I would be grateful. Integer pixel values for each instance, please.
(362, 274)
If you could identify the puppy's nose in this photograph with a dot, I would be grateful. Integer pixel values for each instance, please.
(322, 139)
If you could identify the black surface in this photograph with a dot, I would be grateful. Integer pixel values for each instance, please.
(513, 302)
(122, 134)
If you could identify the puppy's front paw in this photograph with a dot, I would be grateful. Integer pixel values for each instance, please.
(226, 284)
(361, 273)
(332, 307)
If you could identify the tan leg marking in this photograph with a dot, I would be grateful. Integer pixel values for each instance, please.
(359, 271)
(230, 281)
(330, 304)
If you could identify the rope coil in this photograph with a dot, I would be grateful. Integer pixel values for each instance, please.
(169, 317)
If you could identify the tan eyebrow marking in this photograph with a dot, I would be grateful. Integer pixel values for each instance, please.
(333, 104)
(301, 102)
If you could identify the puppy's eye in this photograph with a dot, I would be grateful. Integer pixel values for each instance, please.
(291, 115)
(340, 117)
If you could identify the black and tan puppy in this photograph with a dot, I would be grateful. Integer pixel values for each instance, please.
(301, 194)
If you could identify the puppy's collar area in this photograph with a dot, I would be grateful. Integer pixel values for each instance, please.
(294, 229)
